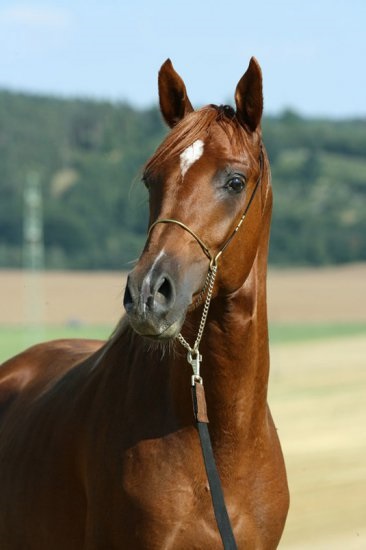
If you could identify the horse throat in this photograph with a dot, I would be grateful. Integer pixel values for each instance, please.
(235, 363)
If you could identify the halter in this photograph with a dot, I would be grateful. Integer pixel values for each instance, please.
(193, 356)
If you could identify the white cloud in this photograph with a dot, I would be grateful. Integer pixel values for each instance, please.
(36, 15)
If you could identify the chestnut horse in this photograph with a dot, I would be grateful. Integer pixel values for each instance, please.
(98, 444)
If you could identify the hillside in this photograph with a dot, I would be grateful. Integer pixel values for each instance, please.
(88, 156)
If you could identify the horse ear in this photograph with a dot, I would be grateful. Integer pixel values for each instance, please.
(249, 96)
(174, 102)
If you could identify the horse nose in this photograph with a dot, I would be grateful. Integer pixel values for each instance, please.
(154, 296)
(162, 296)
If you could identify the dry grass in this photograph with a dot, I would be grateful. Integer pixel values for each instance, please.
(61, 298)
(334, 294)
(317, 396)
(294, 295)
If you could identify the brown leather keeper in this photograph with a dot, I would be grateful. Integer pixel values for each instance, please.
(199, 403)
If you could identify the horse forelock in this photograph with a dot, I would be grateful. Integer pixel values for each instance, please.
(198, 125)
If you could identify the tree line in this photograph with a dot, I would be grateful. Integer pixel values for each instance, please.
(89, 154)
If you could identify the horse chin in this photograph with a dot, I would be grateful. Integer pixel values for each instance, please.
(170, 332)
(162, 333)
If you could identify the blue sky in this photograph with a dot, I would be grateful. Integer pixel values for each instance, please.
(313, 53)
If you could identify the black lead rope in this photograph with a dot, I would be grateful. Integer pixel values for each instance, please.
(217, 496)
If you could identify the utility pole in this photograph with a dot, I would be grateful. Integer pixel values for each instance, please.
(33, 255)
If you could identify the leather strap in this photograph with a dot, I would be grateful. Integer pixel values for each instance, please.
(217, 496)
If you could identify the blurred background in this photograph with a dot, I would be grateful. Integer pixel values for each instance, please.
(79, 118)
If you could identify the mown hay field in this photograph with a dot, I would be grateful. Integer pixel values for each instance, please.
(317, 397)
(317, 386)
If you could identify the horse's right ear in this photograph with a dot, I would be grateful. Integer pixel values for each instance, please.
(174, 102)
(249, 96)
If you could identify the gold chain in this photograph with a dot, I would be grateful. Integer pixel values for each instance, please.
(193, 355)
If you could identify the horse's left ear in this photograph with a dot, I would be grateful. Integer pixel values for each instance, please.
(249, 96)
(174, 102)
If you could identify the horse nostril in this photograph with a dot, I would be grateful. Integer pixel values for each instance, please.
(127, 299)
(164, 292)
(153, 298)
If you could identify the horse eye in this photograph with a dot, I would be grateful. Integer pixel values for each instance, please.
(235, 184)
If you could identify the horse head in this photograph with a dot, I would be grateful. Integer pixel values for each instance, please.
(201, 180)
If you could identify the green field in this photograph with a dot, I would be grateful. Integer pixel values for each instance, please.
(15, 339)
(283, 333)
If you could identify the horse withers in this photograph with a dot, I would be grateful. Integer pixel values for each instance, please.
(98, 443)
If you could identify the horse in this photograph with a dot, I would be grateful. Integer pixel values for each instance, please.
(98, 443)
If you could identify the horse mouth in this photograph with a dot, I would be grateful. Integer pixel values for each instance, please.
(162, 333)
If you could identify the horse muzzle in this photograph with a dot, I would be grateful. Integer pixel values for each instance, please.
(156, 301)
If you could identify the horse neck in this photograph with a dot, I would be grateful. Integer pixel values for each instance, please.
(235, 351)
(236, 359)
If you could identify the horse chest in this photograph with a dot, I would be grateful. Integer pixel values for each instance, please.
(160, 500)
(163, 475)
(164, 496)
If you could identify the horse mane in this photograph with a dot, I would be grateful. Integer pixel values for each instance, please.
(194, 126)
(121, 328)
